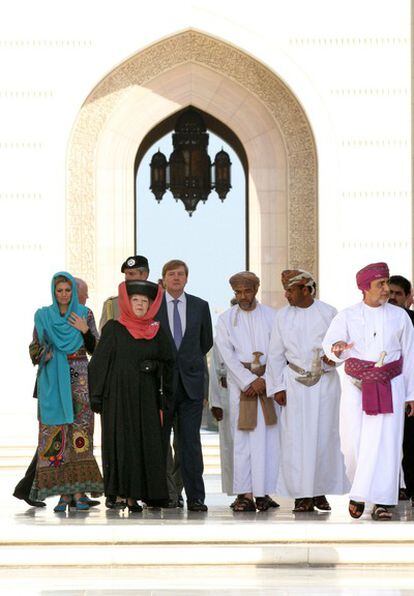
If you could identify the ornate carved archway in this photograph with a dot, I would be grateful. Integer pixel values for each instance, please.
(191, 68)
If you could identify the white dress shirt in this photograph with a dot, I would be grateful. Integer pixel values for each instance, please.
(182, 307)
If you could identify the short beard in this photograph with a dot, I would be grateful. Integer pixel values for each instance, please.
(252, 305)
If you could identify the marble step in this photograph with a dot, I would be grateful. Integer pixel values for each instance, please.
(191, 541)
(101, 538)
(206, 580)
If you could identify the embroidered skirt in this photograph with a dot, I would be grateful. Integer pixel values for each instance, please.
(66, 464)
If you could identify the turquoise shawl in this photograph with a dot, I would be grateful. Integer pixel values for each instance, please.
(56, 334)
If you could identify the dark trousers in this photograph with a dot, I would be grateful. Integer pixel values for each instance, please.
(408, 455)
(188, 421)
(23, 488)
(174, 480)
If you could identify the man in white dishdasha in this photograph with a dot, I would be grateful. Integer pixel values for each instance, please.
(306, 385)
(376, 341)
(243, 334)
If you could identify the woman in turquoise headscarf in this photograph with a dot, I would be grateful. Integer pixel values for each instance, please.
(63, 333)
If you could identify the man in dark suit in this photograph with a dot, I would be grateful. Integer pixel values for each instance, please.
(186, 320)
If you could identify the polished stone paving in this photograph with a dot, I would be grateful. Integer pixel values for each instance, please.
(231, 581)
(22, 526)
(15, 513)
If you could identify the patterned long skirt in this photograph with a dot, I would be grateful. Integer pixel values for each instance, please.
(66, 464)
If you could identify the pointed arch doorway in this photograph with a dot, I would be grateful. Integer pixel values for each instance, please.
(213, 241)
(191, 68)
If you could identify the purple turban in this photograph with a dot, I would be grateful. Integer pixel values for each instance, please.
(365, 276)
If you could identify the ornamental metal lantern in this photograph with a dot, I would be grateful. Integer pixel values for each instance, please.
(222, 165)
(158, 175)
(188, 174)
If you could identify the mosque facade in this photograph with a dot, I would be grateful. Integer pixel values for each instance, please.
(319, 96)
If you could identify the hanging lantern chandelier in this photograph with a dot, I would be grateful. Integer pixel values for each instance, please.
(190, 175)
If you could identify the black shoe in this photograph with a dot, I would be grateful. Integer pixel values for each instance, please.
(110, 502)
(134, 508)
(171, 504)
(29, 501)
(34, 503)
(92, 502)
(120, 504)
(180, 502)
(196, 505)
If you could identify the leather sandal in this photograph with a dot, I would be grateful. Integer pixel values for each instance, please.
(242, 504)
(235, 500)
(262, 504)
(304, 505)
(359, 508)
(321, 503)
(381, 513)
(271, 502)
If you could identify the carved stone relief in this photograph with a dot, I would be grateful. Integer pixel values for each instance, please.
(192, 47)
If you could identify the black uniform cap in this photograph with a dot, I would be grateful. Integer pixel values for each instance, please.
(145, 288)
(136, 262)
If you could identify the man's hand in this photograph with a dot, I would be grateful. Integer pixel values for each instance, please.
(280, 398)
(217, 413)
(258, 387)
(409, 408)
(339, 347)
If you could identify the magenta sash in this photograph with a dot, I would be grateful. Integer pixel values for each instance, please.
(376, 383)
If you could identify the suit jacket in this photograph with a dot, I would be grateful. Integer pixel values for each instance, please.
(189, 360)
(410, 313)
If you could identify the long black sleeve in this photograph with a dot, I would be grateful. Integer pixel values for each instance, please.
(91, 337)
(90, 341)
(99, 367)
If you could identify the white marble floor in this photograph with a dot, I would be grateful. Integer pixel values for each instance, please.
(231, 581)
(104, 552)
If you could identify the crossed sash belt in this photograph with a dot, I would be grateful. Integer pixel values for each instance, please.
(248, 405)
(375, 383)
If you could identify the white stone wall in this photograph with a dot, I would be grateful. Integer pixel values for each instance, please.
(348, 63)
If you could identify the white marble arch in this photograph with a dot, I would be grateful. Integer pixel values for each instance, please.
(191, 68)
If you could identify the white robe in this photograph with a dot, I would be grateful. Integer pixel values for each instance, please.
(219, 398)
(239, 334)
(311, 461)
(374, 443)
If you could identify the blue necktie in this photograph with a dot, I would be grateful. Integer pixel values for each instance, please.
(178, 330)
